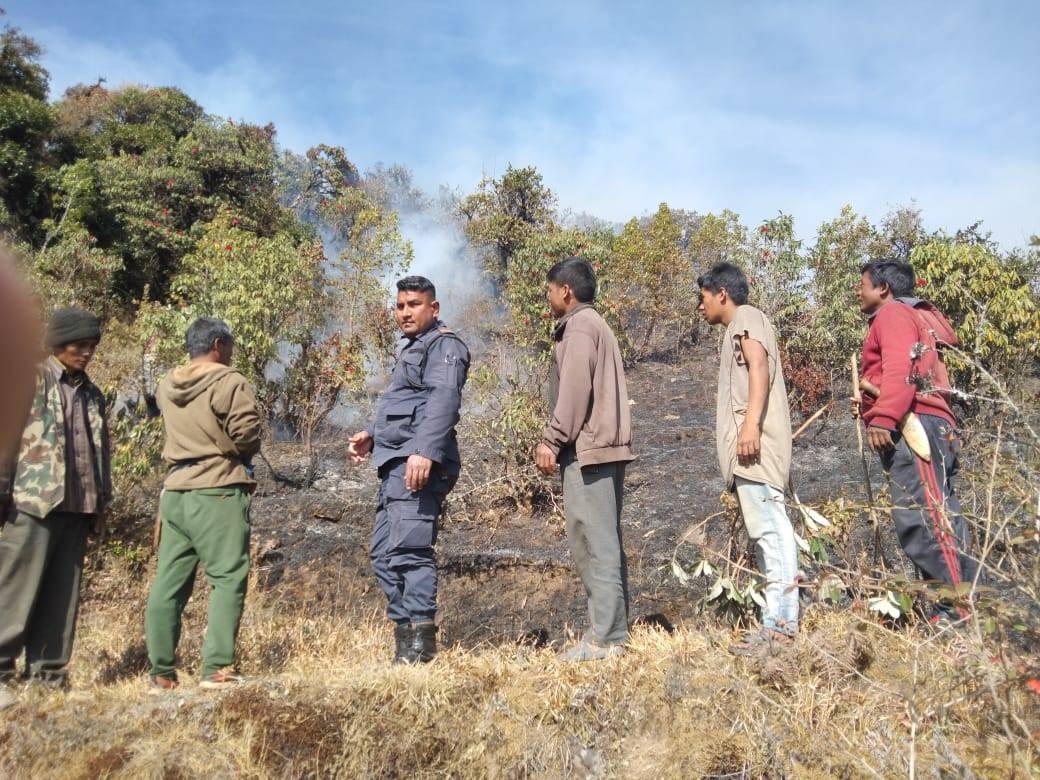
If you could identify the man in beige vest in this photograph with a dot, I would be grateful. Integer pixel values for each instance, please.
(753, 436)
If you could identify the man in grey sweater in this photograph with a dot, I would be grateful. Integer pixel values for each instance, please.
(589, 438)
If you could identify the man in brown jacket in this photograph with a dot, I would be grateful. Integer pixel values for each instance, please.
(212, 433)
(589, 437)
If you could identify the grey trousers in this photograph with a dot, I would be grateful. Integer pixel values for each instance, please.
(41, 564)
(592, 501)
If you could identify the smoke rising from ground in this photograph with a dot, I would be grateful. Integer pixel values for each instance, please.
(444, 256)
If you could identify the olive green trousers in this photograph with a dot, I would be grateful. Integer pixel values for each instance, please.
(208, 526)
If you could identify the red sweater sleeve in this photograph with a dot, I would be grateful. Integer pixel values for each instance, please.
(896, 333)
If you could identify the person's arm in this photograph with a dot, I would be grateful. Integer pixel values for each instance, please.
(749, 438)
(897, 334)
(572, 403)
(235, 403)
(445, 372)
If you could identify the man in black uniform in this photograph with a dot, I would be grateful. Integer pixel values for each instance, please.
(414, 447)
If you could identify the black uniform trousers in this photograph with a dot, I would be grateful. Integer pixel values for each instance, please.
(403, 539)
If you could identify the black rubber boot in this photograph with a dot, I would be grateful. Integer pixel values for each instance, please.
(404, 641)
(424, 647)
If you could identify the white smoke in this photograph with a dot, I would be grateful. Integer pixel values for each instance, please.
(444, 256)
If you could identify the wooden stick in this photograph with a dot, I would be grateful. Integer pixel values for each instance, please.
(857, 397)
(802, 428)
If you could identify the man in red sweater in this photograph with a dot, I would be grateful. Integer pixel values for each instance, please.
(901, 359)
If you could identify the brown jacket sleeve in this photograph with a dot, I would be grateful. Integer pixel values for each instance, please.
(234, 404)
(576, 359)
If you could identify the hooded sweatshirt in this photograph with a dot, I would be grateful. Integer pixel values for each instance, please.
(212, 426)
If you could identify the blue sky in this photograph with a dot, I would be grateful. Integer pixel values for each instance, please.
(753, 106)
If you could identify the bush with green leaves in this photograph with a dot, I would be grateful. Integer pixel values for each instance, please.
(990, 298)
(531, 322)
(269, 290)
(648, 275)
(504, 213)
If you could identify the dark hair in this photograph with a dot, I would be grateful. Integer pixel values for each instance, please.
(899, 276)
(576, 274)
(203, 332)
(726, 276)
(416, 284)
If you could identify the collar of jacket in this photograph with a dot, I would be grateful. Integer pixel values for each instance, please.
(409, 340)
(873, 314)
(60, 372)
(562, 324)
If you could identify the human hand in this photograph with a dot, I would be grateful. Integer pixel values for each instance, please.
(359, 446)
(417, 472)
(99, 527)
(6, 509)
(545, 459)
(749, 443)
(854, 407)
(879, 439)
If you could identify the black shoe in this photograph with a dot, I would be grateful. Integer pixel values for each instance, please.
(404, 641)
(424, 647)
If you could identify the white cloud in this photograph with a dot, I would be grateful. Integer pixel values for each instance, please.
(757, 109)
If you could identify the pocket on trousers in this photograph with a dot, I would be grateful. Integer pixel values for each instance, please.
(412, 533)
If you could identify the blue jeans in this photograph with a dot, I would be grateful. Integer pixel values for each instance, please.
(765, 518)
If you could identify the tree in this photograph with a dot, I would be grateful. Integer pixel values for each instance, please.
(146, 170)
(269, 290)
(989, 300)
(26, 122)
(504, 213)
(842, 247)
(777, 274)
(648, 275)
(718, 238)
(524, 290)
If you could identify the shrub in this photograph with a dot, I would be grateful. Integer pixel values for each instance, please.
(648, 277)
(988, 299)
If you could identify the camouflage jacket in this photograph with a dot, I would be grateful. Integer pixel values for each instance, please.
(34, 481)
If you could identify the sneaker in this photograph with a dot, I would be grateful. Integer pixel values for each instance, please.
(941, 622)
(7, 697)
(588, 651)
(225, 678)
(158, 684)
(763, 642)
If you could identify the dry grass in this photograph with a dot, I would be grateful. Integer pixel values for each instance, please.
(851, 699)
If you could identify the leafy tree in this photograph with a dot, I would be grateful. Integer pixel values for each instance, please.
(75, 271)
(363, 243)
(842, 246)
(269, 290)
(648, 276)
(900, 231)
(26, 122)
(524, 291)
(777, 273)
(718, 238)
(989, 300)
(504, 213)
